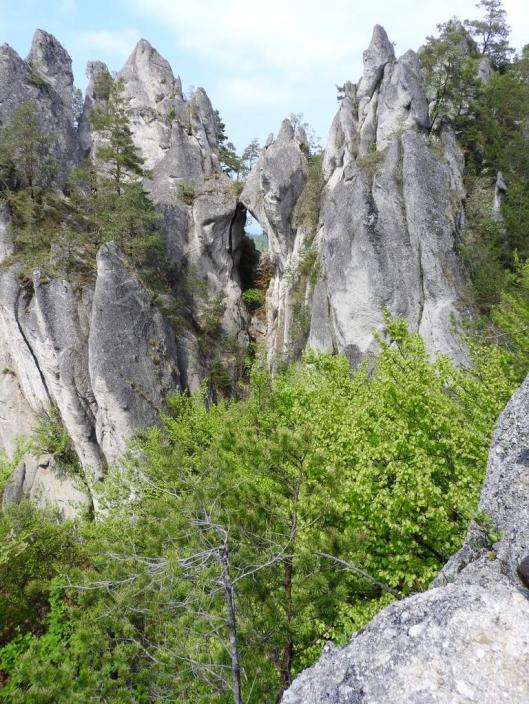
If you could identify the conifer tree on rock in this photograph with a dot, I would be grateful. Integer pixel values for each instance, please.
(119, 153)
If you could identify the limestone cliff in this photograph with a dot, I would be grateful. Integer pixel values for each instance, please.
(370, 225)
(103, 353)
(384, 232)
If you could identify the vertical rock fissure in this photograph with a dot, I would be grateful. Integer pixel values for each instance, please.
(30, 349)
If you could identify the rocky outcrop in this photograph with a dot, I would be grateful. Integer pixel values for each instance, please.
(132, 355)
(271, 192)
(390, 213)
(47, 484)
(372, 224)
(45, 80)
(102, 352)
(103, 355)
(464, 640)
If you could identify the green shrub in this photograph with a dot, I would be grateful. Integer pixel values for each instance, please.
(51, 437)
(253, 299)
(371, 161)
(308, 206)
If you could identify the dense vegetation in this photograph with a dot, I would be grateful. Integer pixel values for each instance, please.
(477, 82)
(243, 535)
(262, 528)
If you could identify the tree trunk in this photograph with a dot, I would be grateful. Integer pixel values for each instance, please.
(231, 621)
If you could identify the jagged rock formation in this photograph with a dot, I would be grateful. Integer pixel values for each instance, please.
(375, 226)
(389, 217)
(466, 639)
(103, 353)
(45, 78)
(271, 192)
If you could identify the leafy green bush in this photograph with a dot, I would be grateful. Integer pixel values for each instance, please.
(253, 299)
(381, 470)
(51, 437)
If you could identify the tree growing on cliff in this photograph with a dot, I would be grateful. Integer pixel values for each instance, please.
(25, 150)
(118, 152)
(491, 33)
(231, 163)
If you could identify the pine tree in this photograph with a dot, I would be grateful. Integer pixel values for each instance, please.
(250, 156)
(25, 159)
(228, 158)
(492, 32)
(119, 154)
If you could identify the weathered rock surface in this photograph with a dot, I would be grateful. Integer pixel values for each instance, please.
(132, 355)
(271, 192)
(467, 638)
(377, 228)
(42, 481)
(103, 355)
(45, 79)
(390, 215)
(103, 352)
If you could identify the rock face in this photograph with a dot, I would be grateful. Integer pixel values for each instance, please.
(132, 366)
(388, 219)
(271, 192)
(41, 480)
(103, 353)
(373, 224)
(466, 639)
(45, 80)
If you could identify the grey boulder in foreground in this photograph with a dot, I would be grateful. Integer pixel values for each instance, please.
(467, 638)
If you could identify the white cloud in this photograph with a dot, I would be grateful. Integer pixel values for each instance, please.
(119, 43)
(293, 43)
(277, 56)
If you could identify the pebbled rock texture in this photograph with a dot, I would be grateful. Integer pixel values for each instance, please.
(466, 640)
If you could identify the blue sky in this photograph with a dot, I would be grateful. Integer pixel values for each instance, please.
(259, 61)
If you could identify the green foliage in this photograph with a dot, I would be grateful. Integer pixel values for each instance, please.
(77, 105)
(450, 65)
(51, 437)
(308, 206)
(381, 470)
(370, 162)
(249, 259)
(187, 193)
(261, 242)
(483, 248)
(249, 157)
(35, 547)
(25, 159)
(253, 298)
(491, 33)
(118, 153)
(229, 160)
(510, 320)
